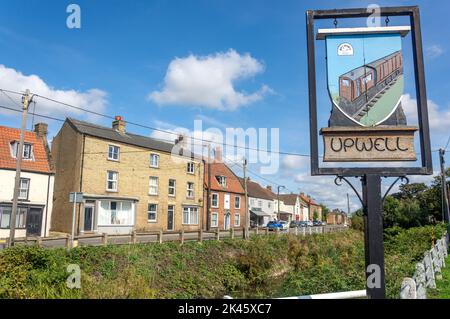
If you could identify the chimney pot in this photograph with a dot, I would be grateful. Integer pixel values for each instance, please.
(218, 154)
(118, 124)
(269, 187)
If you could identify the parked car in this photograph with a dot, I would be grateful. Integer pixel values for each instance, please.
(317, 223)
(303, 223)
(284, 225)
(309, 223)
(274, 225)
(294, 224)
(324, 223)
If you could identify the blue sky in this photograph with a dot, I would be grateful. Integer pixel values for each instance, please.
(118, 63)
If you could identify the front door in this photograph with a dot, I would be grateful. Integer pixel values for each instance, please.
(226, 224)
(88, 217)
(170, 213)
(34, 221)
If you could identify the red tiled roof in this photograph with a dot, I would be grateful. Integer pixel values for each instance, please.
(40, 162)
(233, 183)
(289, 199)
(257, 191)
(308, 200)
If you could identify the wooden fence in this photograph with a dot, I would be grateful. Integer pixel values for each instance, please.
(167, 236)
(427, 271)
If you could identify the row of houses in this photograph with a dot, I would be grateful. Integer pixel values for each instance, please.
(129, 182)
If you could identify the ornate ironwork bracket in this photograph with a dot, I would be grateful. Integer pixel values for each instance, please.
(405, 181)
(338, 181)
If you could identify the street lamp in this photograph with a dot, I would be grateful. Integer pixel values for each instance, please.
(278, 199)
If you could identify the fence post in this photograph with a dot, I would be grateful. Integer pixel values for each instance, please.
(310, 230)
(243, 233)
(218, 234)
(105, 239)
(296, 231)
(133, 237)
(160, 236)
(39, 241)
(232, 233)
(68, 241)
(182, 236)
(277, 230)
(266, 231)
(257, 230)
(200, 235)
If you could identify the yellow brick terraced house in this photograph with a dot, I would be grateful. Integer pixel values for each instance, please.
(130, 182)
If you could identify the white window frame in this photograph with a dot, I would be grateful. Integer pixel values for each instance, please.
(174, 187)
(112, 152)
(190, 211)
(239, 201)
(222, 180)
(112, 180)
(155, 212)
(216, 224)
(190, 168)
(190, 190)
(27, 189)
(237, 215)
(150, 186)
(15, 147)
(157, 160)
(212, 203)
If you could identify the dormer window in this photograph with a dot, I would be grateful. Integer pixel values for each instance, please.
(222, 180)
(27, 150)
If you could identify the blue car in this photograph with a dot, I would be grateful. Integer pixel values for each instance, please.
(273, 225)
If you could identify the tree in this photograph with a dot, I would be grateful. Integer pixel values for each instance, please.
(325, 211)
(315, 215)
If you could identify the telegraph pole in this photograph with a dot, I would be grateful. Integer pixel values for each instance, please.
(348, 206)
(208, 191)
(445, 208)
(278, 199)
(247, 213)
(26, 100)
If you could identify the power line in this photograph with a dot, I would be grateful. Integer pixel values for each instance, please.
(157, 129)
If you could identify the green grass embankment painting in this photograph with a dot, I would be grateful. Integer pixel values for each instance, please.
(262, 267)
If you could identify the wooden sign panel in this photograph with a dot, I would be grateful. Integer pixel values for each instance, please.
(363, 144)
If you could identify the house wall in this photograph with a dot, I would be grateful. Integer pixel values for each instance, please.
(133, 181)
(66, 152)
(41, 188)
(221, 209)
(267, 206)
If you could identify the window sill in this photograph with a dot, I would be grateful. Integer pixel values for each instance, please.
(152, 194)
(113, 160)
(154, 166)
(152, 221)
(112, 191)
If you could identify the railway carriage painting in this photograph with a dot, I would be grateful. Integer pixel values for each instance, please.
(365, 75)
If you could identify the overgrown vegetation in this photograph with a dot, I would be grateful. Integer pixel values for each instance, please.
(264, 266)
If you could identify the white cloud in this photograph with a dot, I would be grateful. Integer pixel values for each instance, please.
(434, 50)
(11, 79)
(208, 81)
(294, 162)
(439, 118)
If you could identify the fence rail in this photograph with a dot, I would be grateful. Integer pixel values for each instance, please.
(167, 236)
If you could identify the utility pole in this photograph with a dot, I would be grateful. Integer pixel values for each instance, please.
(348, 206)
(445, 208)
(247, 213)
(278, 199)
(26, 100)
(208, 192)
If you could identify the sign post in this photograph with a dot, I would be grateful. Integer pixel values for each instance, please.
(74, 198)
(365, 80)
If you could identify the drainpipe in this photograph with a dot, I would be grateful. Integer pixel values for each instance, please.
(46, 206)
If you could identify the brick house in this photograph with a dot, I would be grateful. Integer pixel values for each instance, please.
(36, 182)
(289, 207)
(130, 182)
(314, 209)
(227, 200)
(337, 217)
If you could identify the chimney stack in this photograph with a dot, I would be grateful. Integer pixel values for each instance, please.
(41, 130)
(118, 124)
(269, 187)
(218, 154)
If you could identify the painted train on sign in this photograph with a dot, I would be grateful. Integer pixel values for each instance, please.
(359, 81)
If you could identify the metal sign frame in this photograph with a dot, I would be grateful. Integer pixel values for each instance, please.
(422, 108)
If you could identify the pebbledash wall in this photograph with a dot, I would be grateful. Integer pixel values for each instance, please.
(82, 164)
(40, 195)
